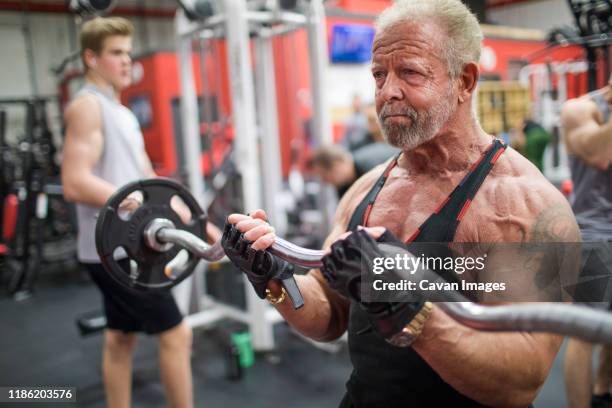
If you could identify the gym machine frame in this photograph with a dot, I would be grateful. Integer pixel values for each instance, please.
(32, 189)
(253, 128)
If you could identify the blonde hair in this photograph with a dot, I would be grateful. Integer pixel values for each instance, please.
(95, 31)
(461, 26)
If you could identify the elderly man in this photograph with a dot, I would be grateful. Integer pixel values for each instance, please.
(451, 183)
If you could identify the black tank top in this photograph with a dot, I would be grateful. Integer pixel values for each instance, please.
(385, 376)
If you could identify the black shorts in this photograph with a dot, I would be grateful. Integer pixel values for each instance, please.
(130, 311)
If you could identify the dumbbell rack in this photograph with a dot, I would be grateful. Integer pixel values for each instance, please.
(256, 129)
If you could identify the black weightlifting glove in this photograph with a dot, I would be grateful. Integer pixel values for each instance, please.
(259, 266)
(343, 267)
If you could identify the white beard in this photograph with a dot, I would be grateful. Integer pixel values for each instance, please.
(424, 126)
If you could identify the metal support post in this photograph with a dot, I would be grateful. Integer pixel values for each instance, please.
(190, 125)
(246, 146)
(268, 128)
(321, 126)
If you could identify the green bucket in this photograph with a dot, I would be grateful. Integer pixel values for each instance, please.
(243, 343)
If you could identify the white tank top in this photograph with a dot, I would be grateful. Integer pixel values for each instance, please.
(121, 162)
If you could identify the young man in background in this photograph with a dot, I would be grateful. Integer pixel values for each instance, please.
(104, 149)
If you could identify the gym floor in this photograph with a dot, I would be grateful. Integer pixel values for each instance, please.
(41, 346)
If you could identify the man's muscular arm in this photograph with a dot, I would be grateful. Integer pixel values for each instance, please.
(324, 316)
(82, 150)
(502, 369)
(584, 135)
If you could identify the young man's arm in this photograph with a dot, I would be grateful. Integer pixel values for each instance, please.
(148, 166)
(584, 136)
(82, 150)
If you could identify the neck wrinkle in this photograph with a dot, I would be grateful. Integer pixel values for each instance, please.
(448, 152)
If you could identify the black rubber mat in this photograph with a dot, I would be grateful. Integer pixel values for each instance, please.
(41, 346)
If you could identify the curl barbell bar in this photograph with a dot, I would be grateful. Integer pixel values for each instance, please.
(154, 235)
